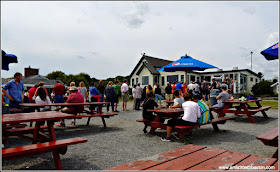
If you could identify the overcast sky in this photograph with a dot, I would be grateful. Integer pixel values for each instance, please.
(106, 39)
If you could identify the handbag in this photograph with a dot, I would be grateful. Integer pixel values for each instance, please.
(34, 97)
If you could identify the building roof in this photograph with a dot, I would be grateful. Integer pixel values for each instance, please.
(152, 65)
(32, 80)
(228, 71)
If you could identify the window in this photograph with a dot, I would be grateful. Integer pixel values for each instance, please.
(257, 80)
(183, 78)
(251, 78)
(192, 78)
(162, 81)
(155, 79)
(132, 82)
(145, 80)
(198, 79)
(136, 80)
(208, 78)
(172, 78)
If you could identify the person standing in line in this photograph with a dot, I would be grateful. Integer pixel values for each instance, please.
(134, 96)
(125, 92)
(149, 88)
(214, 84)
(101, 90)
(110, 93)
(95, 95)
(168, 92)
(179, 86)
(31, 93)
(191, 87)
(144, 94)
(16, 91)
(205, 90)
(196, 88)
(118, 90)
(158, 94)
(173, 87)
(184, 87)
(58, 91)
(138, 95)
(82, 89)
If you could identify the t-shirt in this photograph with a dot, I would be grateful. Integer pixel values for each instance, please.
(205, 112)
(205, 85)
(76, 97)
(38, 100)
(179, 101)
(59, 89)
(83, 90)
(196, 87)
(149, 104)
(224, 96)
(117, 88)
(138, 92)
(173, 88)
(184, 88)
(214, 85)
(124, 88)
(168, 89)
(178, 86)
(158, 91)
(15, 90)
(31, 94)
(110, 92)
(101, 88)
(133, 92)
(191, 86)
(191, 111)
(93, 91)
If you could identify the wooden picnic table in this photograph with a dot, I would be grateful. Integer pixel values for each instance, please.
(270, 138)
(50, 145)
(242, 108)
(165, 113)
(194, 157)
(169, 103)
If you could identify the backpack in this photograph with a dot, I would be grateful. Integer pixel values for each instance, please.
(205, 113)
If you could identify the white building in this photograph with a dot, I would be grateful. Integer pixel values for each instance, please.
(145, 73)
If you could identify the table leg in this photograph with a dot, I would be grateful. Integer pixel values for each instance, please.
(263, 112)
(36, 132)
(156, 120)
(104, 123)
(51, 130)
(215, 126)
(251, 119)
(57, 161)
(275, 155)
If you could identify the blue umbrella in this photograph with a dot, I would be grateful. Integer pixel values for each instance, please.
(7, 59)
(186, 63)
(271, 53)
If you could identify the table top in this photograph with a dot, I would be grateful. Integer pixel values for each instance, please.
(195, 157)
(166, 110)
(238, 101)
(35, 116)
(62, 104)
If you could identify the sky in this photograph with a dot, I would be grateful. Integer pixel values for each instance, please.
(106, 39)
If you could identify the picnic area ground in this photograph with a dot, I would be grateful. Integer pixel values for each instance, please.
(124, 141)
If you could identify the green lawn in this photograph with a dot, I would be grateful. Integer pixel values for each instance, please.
(272, 103)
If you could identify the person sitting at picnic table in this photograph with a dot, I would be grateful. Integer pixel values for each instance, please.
(222, 97)
(178, 101)
(150, 104)
(229, 91)
(204, 109)
(74, 97)
(191, 115)
(110, 93)
(42, 98)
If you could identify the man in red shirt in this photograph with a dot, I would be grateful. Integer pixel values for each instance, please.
(31, 93)
(58, 91)
(75, 97)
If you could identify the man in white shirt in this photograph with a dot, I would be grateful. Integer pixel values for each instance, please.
(191, 86)
(125, 92)
(178, 101)
(191, 115)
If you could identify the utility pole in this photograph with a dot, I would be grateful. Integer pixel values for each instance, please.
(251, 61)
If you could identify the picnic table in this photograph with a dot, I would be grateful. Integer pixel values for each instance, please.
(90, 113)
(242, 107)
(270, 138)
(50, 145)
(169, 103)
(195, 157)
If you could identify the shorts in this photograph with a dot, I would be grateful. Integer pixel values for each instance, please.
(168, 96)
(158, 97)
(58, 99)
(125, 97)
(205, 92)
(179, 121)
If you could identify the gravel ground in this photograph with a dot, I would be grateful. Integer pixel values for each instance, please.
(124, 141)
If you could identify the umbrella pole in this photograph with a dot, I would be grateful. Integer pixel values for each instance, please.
(187, 81)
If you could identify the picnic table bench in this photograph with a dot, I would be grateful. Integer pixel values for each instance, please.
(50, 145)
(195, 157)
(175, 113)
(242, 107)
(270, 138)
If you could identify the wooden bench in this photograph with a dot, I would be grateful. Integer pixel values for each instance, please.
(15, 126)
(194, 157)
(183, 129)
(57, 147)
(15, 110)
(263, 108)
(270, 138)
(26, 129)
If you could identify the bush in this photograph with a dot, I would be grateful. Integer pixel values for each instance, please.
(262, 88)
(245, 94)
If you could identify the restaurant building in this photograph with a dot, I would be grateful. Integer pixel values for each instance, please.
(145, 73)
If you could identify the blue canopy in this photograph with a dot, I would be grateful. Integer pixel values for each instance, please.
(271, 53)
(186, 63)
(7, 59)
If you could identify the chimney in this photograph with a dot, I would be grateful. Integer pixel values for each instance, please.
(30, 72)
(235, 68)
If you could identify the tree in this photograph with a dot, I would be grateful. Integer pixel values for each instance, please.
(262, 88)
(55, 75)
(260, 75)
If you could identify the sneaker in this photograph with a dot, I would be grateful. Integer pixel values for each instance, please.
(60, 124)
(165, 139)
(176, 136)
(73, 123)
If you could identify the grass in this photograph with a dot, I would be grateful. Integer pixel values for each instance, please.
(272, 103)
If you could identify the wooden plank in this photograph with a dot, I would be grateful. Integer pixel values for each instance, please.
(189, 160)
(269, 135)
(275, 166)
(261, 108)
(158, 159)
(226, 159)
(255, 160)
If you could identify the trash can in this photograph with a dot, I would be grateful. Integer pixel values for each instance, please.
(214, 93)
